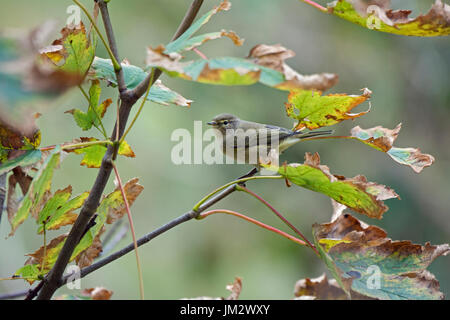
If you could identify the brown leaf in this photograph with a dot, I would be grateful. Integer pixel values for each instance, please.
(273, 56)
(132, 190)
(87, 257)
(321, 288)
(37, 256)
(354, 246)
(235, 289)
(97, 293)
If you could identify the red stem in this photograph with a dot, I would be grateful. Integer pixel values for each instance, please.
(251, 220)
(290, 225)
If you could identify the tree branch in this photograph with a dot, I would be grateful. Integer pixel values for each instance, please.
(54, 278)
(112, 43)
(150, 236)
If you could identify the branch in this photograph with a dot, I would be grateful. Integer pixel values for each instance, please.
(113, 45)
(150, 236)
(13, 295)
(54, 278)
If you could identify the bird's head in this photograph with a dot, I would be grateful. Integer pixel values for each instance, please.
(224, 121)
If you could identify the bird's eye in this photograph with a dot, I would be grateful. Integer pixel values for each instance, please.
(225, 122)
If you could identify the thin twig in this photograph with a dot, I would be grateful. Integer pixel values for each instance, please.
(279, 215)
(238, 181)
(315, 5)
(133, 233)
(112, 43)
(113, 58)
(13, 295)
(254, 221)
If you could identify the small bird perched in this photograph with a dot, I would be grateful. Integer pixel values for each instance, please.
(253, 143)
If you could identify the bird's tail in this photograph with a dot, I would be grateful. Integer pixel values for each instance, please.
(304, 135)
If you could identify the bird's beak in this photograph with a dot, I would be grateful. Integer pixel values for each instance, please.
(212, 123)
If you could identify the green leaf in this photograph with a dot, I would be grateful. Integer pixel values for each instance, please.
(313, 110)
(40, 186)
(382, 139)
(93, 155)
(133, 76)
(29, 272)
(29, 158)
(356, 193)
(73, 52)
(265, 65)
(56, 201)
(369, 263)
(64, 215)
(378, 16)
(96, 111)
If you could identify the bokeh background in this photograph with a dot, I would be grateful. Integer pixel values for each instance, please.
(409, 78)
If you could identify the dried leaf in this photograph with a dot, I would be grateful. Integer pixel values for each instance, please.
(313, 110)
(48, 255)
(87, 257)
(238, 71)
(115, 200)
(235, 289)
(363, 259)
(377, 15)
(98, 293)
(273, 56)
(382, 139)
(321, 288)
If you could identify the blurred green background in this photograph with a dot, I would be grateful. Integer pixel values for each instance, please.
(409, 78)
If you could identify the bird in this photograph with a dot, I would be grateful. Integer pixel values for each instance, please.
(255, 143)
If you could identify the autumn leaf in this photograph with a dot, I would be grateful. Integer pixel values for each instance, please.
(96, 110)
(98, 293)
(26, 75)
(111, 208)
(73, 52)
(313, 110)
(356, 193)
(234, 288)
(87, 257)
(58, 210)
(37, 193)
(18, 142)
(265, 64)
(382, 139)
(377, 15)
(116, 206)
(363, 259)
(103, 69)
(321, 288)
(45, 258)
(93, 155)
